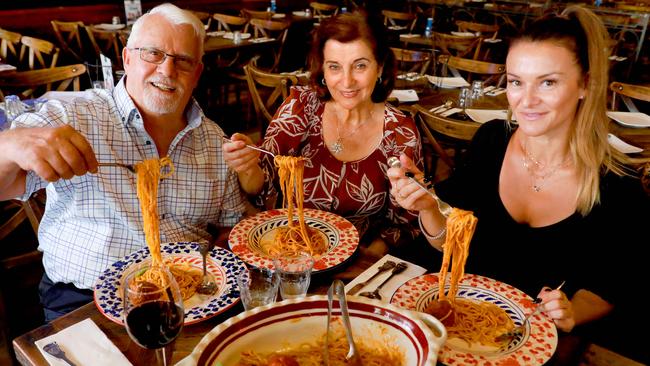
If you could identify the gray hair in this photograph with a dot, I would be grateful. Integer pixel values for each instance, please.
(174, 15)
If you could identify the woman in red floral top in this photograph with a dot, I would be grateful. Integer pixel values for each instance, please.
(346, 131)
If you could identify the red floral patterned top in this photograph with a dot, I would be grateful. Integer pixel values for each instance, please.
(359, 190)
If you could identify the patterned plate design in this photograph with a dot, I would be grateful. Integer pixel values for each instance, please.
(342, 236)
(534, 347)
(222, 264)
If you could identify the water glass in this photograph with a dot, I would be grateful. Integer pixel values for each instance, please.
(477, 89)
(464, 98)
(294, 271)
(236, 37)
(257, 287)
(13, 107)
(116, 20)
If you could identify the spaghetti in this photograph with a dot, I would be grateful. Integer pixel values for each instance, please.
(471, 321)
(311, 354)
(148, 176)
(296, 236)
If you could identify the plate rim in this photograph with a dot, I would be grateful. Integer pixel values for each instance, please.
(309, 213)
(229, 294)
(481, 358)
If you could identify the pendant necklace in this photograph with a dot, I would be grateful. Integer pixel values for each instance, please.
(537, 170)
(337, 146)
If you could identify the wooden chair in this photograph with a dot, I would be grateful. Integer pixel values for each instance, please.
(271, 29)
(457, 45)
(9, 42)
(267, 90)
(411, 60)
(399, 21)
(322, 10)
(230, 23)
(39, 53)
(68, 34)
(443, 133)
(256, 14)
(106, 42)
(491, 73)
(36, 82)
(204, 17)
(628, 92)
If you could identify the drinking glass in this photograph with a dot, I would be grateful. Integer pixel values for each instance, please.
(236, 37)
(477, 89)
(294, 271)
(257, 287)
(153, 312)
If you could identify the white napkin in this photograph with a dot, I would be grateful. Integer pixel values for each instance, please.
(484, 115)
(463, 34)
(391, 286)
(278, 15)
(7, 67)
(107, 26)
(492, 40)
(409, 35)
(448, 82)
(262, 39)
(630, 119)
(300, 13)
(621, 145)
(84, 344)
(215, 33)
(404, 95)
(229, 35)
(397, 27)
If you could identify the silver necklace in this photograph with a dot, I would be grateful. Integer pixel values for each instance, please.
(539, 173)
(337, 146)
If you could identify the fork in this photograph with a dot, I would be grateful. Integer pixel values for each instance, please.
(55, 350)
(399, 268)
(251, 147)
(443, 206)
(520, 329)
(207, 285)
(131, 168)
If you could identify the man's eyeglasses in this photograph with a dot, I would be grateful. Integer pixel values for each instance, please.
(156, 56)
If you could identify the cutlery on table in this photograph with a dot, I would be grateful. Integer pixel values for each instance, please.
(443, 206)
(520, 329)
(207, 286)
(399, 268)
(442, 108)
(251, 147)
(55, 350)
(131, 168)
(383, 268)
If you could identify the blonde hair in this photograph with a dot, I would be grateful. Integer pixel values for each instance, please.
(581, 31)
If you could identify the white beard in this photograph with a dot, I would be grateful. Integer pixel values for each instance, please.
(160, 102)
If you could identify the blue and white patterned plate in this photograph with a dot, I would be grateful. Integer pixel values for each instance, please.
(222, 264)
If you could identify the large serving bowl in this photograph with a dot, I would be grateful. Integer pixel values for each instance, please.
(293, 322)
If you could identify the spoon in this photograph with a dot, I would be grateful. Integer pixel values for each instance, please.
(207, 286)
(399, 268)
(353, 357)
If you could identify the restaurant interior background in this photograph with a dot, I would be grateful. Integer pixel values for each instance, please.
(229, 105)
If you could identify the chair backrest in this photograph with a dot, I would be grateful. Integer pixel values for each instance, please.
(256, 14)
(267, 90)
(272, 29)
(323, 10)
(9, 42)
(398, 20)
(628, 92)
(230, 23)
(411, 60)
(490, 73)
(486, 30)
(106, 42)
(69, 37)
(204, 17)
(39, 53)
(37, 82)
(459, 46)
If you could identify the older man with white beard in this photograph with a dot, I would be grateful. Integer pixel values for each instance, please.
(92, 217)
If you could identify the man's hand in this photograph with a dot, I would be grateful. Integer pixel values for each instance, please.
(51, 152)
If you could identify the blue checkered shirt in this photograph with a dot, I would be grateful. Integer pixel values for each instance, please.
(92, 221)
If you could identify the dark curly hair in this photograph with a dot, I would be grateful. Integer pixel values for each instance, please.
(346, 28)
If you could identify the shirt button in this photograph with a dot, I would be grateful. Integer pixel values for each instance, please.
(148, 142)
(137, 116)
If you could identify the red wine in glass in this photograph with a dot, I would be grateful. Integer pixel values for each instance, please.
(154, 324)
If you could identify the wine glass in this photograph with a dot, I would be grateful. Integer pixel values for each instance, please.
(153, 309)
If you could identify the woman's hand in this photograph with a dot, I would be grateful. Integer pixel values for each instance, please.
(407, 193)
(245, 162)
(558, 307)
(238, 157)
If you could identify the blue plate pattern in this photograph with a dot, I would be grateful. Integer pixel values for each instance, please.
(107, 288)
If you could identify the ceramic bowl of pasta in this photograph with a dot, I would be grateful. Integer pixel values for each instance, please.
(295, 330)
